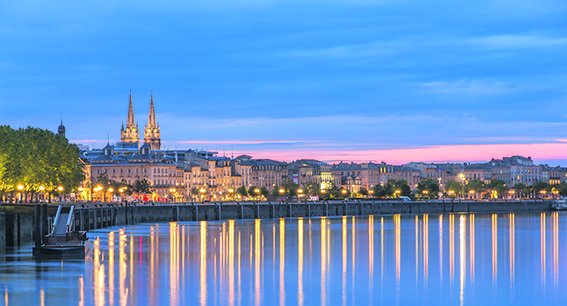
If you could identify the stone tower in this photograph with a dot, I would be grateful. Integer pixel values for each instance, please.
(152, 131)
(130, 134)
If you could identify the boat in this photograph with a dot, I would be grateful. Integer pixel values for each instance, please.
(63, 242)
(559, 205)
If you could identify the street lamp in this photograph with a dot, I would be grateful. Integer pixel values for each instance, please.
(60, 190)
(462, 177)
(20, 188)
(471, 193)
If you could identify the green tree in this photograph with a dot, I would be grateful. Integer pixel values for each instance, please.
(383, 190)
(428, 188)
(402, 186)
(242, 191)
(498, 188)
(37, 159)
(454, 188)
(142, 186)
(264, 192)
(311, 189)
(563, 189)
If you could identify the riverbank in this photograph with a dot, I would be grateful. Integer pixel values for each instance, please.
(17, 221)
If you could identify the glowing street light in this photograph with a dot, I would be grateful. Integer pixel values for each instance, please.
(20, 187)
(60, 188)
(281, 191)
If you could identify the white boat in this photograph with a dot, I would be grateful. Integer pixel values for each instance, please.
(559, 205)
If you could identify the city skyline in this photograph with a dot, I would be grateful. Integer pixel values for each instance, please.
(395, 155)
(350, 80)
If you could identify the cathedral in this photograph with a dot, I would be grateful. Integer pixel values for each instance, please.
(130, 135)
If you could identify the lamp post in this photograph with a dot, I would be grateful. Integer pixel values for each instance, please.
(202, 191)
(299, 193)
(257, 192)
(20, 188)
(462, 177)
(60, 190)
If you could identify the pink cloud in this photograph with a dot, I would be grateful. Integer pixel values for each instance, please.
(445, 153)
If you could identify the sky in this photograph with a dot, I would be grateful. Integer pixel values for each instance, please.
(361, 80)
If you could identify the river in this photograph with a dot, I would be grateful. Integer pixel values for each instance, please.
(450, 259)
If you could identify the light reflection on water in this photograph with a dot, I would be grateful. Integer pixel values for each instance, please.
(426, 259)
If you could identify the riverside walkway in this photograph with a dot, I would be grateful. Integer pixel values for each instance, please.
(19, 222)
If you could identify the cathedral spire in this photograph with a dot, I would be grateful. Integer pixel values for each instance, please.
(152, 114)
(131, 122)
(129, 134)
(152, 131)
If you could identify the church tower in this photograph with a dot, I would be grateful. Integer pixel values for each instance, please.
(61, 129)
(129, 135)
(152, 131)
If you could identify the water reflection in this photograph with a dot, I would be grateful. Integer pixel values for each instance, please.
(308, 261)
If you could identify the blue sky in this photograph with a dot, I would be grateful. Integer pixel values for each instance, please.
(308, 77)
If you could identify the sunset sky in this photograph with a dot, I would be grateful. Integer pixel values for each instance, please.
(385, 80)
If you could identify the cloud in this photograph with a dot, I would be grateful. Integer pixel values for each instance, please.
(468, 86)
(517, 41)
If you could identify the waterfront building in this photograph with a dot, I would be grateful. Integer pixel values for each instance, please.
(199, 175)
(555, 175)
(479, 172)
(516, 170)
(309, 171)
(411, 176)
(164, 175)
(268, 173)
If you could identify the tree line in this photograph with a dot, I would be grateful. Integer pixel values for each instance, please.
(36, 161)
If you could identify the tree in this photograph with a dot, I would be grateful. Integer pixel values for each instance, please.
(542, 188)
(242, 191)
(252, 191)
(363, 192)
(142, 186)
(264, 192)
(454, 188)
(383, 190)
(37, 160)
(311, 189)
(400, 187)
(428, 188)
(563, 189)
(498, 188)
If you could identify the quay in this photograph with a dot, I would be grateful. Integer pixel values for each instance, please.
(21, 223)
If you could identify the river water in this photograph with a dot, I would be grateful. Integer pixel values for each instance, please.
(451, 259)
